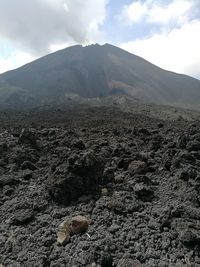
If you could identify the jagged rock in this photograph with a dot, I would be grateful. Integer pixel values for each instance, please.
(78, 177)
(8, 180)
(187, 174)
(156, 142)
(143, 192)
(123, 163)
(22, 217)
(107, 177)
(193, 146)
(137, 167)
(168, 157)
(190, 239)
(27, 174)
(129, 263)
(79, 144)
(196, 137)
(107, 260)
(182, 141)
(3, 148)
(28, 165)
(89, 164)
(28, 137)
(144, 131)
(63, 234)
(79, 224)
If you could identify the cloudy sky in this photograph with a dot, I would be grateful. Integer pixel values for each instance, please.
(165, 32)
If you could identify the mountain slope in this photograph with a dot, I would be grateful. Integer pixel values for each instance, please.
(98, 71)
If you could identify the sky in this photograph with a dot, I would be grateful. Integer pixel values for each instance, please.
(164, 32)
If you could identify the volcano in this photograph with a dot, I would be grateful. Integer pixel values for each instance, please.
(96, 71)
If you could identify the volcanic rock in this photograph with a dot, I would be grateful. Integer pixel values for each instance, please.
(79, 224)
(137, 167)
(143, 192)
(22, 217)
(28, 165)
(8, 180)
(152, 216)
(28, 137)
(190, 239)
(3, 148)
(129, 263)
(78, 177)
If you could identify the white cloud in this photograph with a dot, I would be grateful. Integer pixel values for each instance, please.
(177, 11)
(33, 26)
(135, 11)
(177, 50)
(14, 60)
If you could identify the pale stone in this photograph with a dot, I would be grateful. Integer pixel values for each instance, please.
(104, 191)
(63, 235)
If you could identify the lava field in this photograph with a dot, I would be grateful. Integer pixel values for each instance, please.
(135, 179)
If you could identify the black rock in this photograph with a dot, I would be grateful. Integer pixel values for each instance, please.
(190, 239)
(193, 146)
(28, 137)
(27, 174)
(8, 180)
(129, 263)
(22, 217)
(3, 148)
(78, 177)
(79, 144)
(143, 192)
(28, 165)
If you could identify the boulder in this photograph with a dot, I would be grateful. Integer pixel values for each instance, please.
(76, 178)
(28, 137)
(137, 167)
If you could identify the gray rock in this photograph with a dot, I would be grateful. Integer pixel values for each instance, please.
(129, 263)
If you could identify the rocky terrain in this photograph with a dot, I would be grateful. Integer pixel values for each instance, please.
(135, 180)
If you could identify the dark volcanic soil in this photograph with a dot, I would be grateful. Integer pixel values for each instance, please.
(136, 180)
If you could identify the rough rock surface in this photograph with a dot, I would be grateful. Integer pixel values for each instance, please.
(76, 225)
(79, 224)
(137, 183)
(63, 235)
